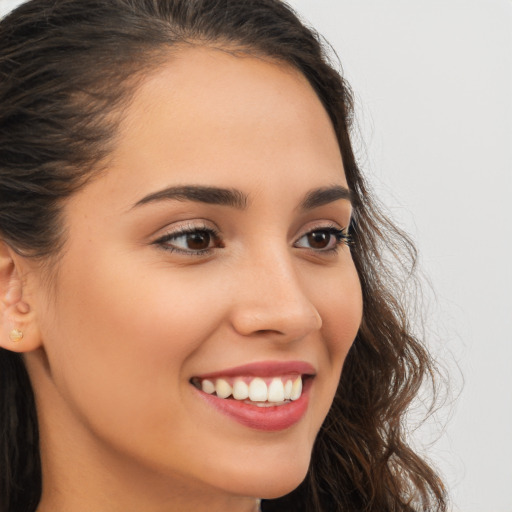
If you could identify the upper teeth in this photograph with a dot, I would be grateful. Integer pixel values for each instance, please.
(279, 389)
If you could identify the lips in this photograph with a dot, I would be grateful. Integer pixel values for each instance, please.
(266, 396)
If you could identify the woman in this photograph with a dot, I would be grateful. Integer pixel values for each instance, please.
(189, 260)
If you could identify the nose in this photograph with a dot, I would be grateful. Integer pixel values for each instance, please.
(271, 300)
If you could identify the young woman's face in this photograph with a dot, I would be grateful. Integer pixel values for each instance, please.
(210, 254)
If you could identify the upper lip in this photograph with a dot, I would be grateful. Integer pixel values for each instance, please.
(263, 369)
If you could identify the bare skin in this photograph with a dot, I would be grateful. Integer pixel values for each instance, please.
(139, 308)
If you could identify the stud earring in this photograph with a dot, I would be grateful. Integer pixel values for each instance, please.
(15, 335)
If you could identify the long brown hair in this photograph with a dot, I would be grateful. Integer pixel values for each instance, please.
(67, 67)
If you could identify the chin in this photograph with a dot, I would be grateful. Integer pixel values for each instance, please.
(280, 487)
(271, 480)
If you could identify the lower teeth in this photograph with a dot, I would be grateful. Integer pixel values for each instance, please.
(266, 404)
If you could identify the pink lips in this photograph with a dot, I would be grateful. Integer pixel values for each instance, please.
(264, 369)
(273, 418)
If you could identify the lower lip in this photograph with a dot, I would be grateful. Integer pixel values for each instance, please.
(270, 419)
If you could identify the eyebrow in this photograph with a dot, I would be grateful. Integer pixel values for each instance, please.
(322, 196)
(237, 199)
(201, 194)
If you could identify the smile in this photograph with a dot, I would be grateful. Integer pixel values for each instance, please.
(265, 396)
(254, 390)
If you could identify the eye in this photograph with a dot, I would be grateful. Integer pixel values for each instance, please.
(323, 239)
(193, 240)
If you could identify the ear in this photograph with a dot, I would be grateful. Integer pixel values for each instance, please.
(18, 327)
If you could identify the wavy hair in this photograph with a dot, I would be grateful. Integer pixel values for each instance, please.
(67, 69)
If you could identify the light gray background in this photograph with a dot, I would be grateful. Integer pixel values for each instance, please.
(433, 84)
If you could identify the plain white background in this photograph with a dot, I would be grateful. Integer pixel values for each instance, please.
(433, 87)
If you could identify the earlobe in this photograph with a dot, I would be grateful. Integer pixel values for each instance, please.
(18, 327)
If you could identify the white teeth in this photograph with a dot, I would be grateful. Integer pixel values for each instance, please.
(266, 404)
(258, 390)
(288, 389)
(222, 388)
(208, 386)
(240, 390)
(296, 389)
(276, 391)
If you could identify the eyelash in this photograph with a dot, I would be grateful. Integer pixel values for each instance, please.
(190, 230)
(341, 236)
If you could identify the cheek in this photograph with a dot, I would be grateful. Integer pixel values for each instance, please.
(122, 340)
(341, 308)
(339, 302)
(125, 305)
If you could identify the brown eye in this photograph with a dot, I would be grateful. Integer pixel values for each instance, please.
(322, 240)
(319, 239)
(198, 240)
(191, 241)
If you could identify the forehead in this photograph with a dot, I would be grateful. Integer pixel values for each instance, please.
(232, 110)
(209, 118)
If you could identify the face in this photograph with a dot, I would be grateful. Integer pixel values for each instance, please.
(210, 255)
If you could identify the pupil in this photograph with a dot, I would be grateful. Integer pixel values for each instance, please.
(319, 239)
(198, 240)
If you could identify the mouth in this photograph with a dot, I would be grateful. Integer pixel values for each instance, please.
(262, 396)
(258, 391)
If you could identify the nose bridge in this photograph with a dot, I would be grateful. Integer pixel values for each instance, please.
(272, 299)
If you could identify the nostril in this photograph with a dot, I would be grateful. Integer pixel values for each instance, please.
(267, 331)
